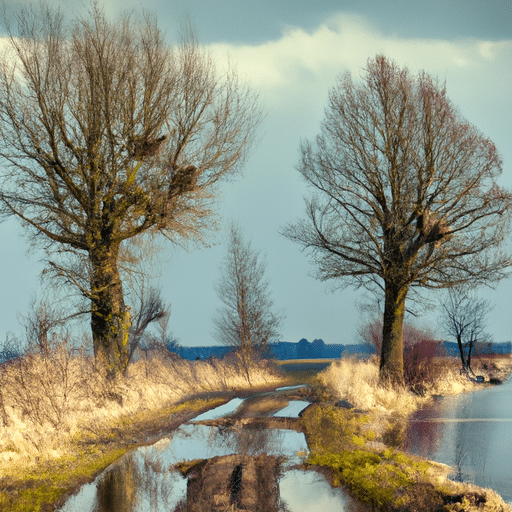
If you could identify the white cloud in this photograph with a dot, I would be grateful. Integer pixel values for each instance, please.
(302, 61)
(295, 72)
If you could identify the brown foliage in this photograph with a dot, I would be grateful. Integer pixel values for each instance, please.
(420, 350)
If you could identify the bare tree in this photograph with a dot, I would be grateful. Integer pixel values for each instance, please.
(464, 319)
(248, 320)
(151, 309)
(406, 195)
(106, 134)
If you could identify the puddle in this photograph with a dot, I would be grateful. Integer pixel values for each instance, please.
(145, 480)
(300, 491)
(289, 388)
(309, 491)
(192, 442)
(130, 485)
(219, 412)
(292, 410)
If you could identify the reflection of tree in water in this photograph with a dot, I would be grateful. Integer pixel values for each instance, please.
(251, 439)
(116, 489)
(155, 483)
(135, 480)
(460, 451)
(423, 436)
(472, 441)
(233, 482)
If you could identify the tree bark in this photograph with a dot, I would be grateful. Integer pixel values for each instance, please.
(470, 349)
(392, 358)
(110, 318)
(461, 350)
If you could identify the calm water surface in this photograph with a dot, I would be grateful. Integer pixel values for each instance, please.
(472, 433)
(144, 480)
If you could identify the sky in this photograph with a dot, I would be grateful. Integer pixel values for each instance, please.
(291, 52)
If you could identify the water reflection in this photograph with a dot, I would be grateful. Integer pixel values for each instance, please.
(308, 491)
(132, 484)
(472, 433)
(146, 480)
(117, 488)
(292, 410)
(219, 412)
(252, 439)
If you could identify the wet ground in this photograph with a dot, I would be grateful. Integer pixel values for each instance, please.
(243, 455)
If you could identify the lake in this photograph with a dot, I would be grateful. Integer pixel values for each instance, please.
(472, 433)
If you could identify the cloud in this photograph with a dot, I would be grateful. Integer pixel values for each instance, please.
(295, 72)
(308, 61)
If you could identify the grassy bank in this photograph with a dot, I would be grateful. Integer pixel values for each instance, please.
(61, 424)
(46, 484)
(357, 381)
(358, 447)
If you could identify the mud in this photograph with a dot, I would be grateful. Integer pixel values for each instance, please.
(233, 482)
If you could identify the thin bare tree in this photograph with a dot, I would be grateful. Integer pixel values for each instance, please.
(107, 133)
(248, 320)
(464, 319)
(406, 195)
(151, 309)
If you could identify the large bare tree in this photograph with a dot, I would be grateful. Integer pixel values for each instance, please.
(406, 195)
(248, 320)
(107, 133)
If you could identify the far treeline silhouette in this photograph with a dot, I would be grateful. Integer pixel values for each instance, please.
(284, 350)
(318, 349)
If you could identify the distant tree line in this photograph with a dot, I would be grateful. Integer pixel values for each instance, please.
(284, 350)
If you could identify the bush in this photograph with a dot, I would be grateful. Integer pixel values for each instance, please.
(46, 382)
(420, 350)
(420, 367)
(52, 396)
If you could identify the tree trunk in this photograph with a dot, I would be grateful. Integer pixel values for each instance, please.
(392, 353)
(470, 350)
(110, 318)
(461, 350)
(247, 360)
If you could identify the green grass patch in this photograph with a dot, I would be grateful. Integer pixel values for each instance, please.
(330, 428)
(371, 477)
(337, 440)
(386, 479)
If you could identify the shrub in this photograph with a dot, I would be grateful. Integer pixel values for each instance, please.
(46, 382)
(357, 381)
(51, 396)
(420, 350)
(420, 368)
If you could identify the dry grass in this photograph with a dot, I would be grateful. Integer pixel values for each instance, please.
(357, 381)
(50, 402)
(361, 451)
